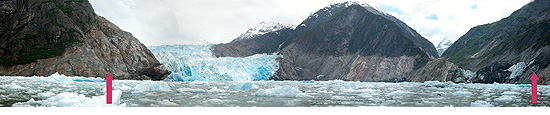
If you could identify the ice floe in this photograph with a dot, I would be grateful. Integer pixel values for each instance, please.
(480, 103)
(282, 91)
(151, 86)
(73, 100)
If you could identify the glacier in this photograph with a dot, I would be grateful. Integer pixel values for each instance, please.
(517, 70)
(196, 62)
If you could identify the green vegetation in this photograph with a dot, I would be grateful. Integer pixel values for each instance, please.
(515, 33)
(33, 51)
(60, 25)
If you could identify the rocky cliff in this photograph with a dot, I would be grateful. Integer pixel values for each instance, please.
(41, 37)
(509, 50)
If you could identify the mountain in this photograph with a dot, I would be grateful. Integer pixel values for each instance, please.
(347, 41)
(508, 50)
(261, 29)
(443, 45)
(41, 37)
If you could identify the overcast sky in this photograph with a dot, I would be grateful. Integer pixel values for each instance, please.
(166, 22)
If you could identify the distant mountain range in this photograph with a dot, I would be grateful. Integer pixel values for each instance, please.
(261, 29)
(442, 46)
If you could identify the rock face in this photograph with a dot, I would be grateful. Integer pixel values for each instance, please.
(492, 49)
(41, 37)
(347, 41)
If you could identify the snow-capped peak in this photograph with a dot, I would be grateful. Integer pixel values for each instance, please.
(261, 29)
(443, 45)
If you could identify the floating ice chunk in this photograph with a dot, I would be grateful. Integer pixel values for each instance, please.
(510, 93)
(74, 100)
(12, 86)
(87, 79)
(399, 92)
(215, 100)
(122, 87)
(167, 103)
(310, 81)
(505, 98)
(281, 91)
(437, 84)
(182, 90)
(338, 98)
(215, 90)
(243, 85)
(462, 93)
(47, 94)
(149, 86)
(56, 77)
(480, 103)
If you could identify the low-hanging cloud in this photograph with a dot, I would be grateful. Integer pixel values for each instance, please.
(165, 22)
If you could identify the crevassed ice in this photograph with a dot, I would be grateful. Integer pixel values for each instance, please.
(517, 70)
(196, 62)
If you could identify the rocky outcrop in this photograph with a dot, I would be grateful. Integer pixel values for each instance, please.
(492, 49)
(41, 37)
(438, 70)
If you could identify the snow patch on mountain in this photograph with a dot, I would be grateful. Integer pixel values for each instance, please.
(261, 29)
(443, 45)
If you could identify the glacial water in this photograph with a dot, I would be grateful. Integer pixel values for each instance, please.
(37, 92)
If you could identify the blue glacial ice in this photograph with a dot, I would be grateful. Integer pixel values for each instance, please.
(73, 100)
(196, 62)
(243, 85)
(151, 86)
(517, 70)
(281, 91)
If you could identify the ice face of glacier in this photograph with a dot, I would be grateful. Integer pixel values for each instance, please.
(517, 70)
(196, 62)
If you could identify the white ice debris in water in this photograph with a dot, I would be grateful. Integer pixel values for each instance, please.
(480, 103)
(505, 98)
(281, 91)
(400, 92)
(47, 94)
(151, 86)
(462, 93)
(73, 100)
(56, 77)
(215, 100)
(191, 90)
(12, 86)
(167, 103)
(510, 93)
